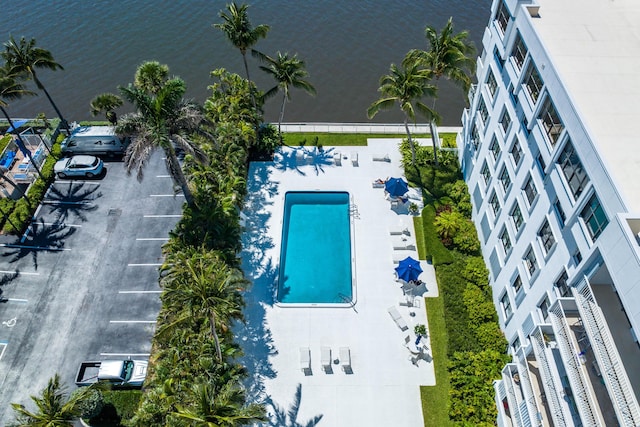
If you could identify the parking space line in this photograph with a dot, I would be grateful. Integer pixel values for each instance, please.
(125, 354)
(44, 248)
(144, 265)
(139, 292)
(132, 321)
(162, 216)
(166, 195)
(62, 224)
(59, 202)
(163, 176)
(153, 239)
(26, 273)
(17, 300)
(58, 181)
(3, 347)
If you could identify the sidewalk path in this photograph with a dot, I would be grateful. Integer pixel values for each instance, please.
(390, 128)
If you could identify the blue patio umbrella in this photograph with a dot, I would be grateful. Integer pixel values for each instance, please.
(408, 269)
(396, 187)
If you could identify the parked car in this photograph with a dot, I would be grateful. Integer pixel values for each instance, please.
(95, 141)
(118, 373)
(85, 166)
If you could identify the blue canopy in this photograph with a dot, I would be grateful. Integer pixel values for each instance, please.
(17, 124)
(408, 269)
(396, 187)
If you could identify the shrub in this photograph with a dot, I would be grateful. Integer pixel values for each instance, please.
(490, 337)
(436, 251)
(92, 404)
(448, 224)
(476, 272)
(466, 239)
(480, 310)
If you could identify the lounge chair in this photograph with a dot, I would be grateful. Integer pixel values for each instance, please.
(381, 158)
(354, 158)
(378, 183)
(305, 360)
(337, 158)
(345, 360)
(325, 359)
(403, 244)
(399, 230)
(395, 315)
(300, 157)
(398, 257)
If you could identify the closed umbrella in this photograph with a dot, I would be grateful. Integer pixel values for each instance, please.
(408, 269)
(396, 187)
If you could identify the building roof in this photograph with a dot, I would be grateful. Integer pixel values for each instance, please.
(595, 48)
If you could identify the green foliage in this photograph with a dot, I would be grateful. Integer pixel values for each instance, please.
(91, 404)
(490, 337)
(448, 140)
(458, 193)
(476, 272)
(448, 224)
(435, 250)
(118, 407)
(466, 239)
(480, 309)
(20, 216)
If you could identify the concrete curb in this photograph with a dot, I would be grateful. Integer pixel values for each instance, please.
(391, 128)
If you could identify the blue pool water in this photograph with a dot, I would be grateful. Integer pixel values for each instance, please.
(315, 256)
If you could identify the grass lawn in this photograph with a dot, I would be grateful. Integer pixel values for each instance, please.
(339, 139)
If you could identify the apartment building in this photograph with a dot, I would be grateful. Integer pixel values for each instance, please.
(550, 150)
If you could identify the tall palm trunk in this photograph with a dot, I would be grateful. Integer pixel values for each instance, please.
(284, 102)
(175, 170)
(214, 333)
(246, 69)
(413, 148)
(53, 104)
(432, 127)
(27, 152)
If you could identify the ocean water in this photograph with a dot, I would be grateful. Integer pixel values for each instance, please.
(347, 46)
(315, 257)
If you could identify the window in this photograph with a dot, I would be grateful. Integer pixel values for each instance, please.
(562, 217)
(517, 285)
(572, 169)
(505, 121)
(516, 217)
(506, 241)
(519, 51)
(546, 237)
(544, 307)
(482, 110)
(486, 173)
(516, 344)
(492, 84)
(495, 204)
(530, 191)
(498, 58)
(550, 121)
(506, 306)
(516, 152)
(562, 285)
(542, 165)
(577, 256)
(505, 179)
(530, 261)
(502, 17)
(475, 137)
(594, 217)
(495, 148)
(533, 82)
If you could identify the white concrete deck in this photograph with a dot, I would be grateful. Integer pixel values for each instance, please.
(383, 389)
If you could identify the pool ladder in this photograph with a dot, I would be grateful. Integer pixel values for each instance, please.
(345, 299)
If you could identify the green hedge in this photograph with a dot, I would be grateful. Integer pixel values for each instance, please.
(118, 405)
(435, 250)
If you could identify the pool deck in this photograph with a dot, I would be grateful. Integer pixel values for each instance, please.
(383, 388)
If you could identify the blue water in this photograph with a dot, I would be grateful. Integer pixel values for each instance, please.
(315, 256)
(347, 46)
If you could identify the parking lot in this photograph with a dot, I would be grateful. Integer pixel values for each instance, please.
(82, 283)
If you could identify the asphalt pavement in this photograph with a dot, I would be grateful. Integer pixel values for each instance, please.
(82, 283)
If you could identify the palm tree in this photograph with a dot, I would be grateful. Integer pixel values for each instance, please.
(163, 118)
(55, 407)
(199, 285)
(10, 89)
(288, 72)
(450, 56)
(220, 406)
(26, 58)
(106, 102)
(241, 33)
(405, 86)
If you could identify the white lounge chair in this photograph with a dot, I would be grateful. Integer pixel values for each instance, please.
(397, 257)
(337, 158)
(377, 184)
(345, 360)
(403, 244)
(325, 359)
(395, 315)
(399, 230)
(305, 360)
(354, 158)
(381, 158)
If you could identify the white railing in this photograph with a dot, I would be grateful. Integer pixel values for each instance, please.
(514, 402)
(527, 389)
(580, 386)
(607, 356)
(550, 389)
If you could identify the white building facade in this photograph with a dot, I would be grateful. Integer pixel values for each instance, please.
(550, 150)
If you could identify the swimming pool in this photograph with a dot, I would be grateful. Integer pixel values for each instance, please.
(315, 252)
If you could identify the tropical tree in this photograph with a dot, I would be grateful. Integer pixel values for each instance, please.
(25, 57)
(288, 72)
(238, 29)
(450, 56)
(10, 89)
(163, 118)
(406, 86)
(107, 103)
(55, 407)
(220, 406)
(199, 285)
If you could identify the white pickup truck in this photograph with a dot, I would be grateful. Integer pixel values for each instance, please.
(118, 373)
